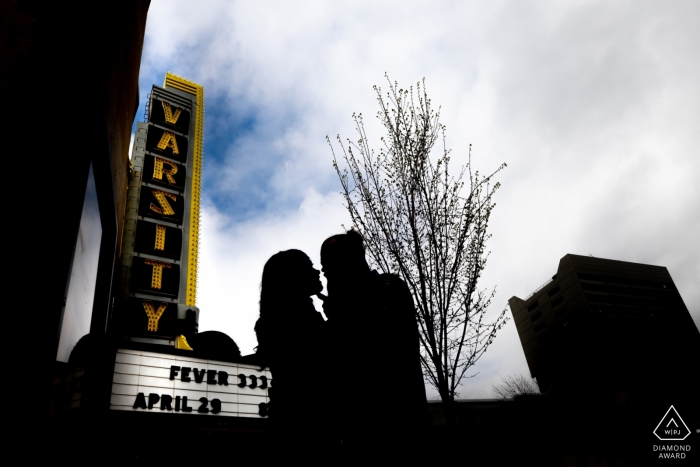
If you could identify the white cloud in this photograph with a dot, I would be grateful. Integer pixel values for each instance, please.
(233, 255)
(593, 105)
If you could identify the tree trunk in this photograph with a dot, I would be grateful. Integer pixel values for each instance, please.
(448, 405)
(449, 408)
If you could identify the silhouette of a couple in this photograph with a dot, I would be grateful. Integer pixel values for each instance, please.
(351, 386)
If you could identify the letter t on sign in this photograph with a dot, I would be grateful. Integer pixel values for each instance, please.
(157, 275)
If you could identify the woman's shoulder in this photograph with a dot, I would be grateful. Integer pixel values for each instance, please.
(290, 318)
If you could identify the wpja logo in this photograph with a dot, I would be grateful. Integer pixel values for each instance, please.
(671, 428)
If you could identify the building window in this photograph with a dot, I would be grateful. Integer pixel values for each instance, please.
(533, 306)
(536, 317)
(553, 291)
(540, 327)
(77, 311)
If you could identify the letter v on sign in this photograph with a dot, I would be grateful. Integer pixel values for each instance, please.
(171, 117)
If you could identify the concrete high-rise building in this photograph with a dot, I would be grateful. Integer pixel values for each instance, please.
(613, 331)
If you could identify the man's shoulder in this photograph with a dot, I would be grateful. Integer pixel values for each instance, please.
(391, 285)
(389, 280)
(395, 302)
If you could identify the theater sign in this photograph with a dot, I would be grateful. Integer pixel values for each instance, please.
(161, 231)
(156, 369)
(154, 382)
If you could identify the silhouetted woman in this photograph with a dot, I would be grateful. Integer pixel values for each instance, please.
(292, 342)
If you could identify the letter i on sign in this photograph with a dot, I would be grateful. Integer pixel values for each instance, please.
(160, 237)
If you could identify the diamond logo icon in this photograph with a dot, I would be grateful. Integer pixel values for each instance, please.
(671, 427)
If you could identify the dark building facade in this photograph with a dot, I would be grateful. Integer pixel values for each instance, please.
(70, 75)
(614, 351)
(611, 330)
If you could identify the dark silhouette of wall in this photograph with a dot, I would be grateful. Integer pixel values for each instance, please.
(70, 76)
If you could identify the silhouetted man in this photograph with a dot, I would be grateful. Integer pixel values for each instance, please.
(372, 315)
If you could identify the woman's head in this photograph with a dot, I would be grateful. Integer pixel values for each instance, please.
(288, 275)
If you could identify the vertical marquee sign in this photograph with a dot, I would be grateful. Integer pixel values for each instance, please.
(161, 233)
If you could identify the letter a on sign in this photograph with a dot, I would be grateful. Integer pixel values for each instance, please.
(168, 141)
(140, 402)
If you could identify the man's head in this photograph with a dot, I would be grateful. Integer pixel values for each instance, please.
(343, 256)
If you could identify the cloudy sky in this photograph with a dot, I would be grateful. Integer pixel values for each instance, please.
(594, 106)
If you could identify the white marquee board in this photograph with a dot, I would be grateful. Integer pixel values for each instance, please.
(139, 375)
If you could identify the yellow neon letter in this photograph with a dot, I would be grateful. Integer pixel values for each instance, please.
(168, 141)
(158, 170)
(160, 237)
(153, 314)
(157, 275)
(165, 209)
(169, 116)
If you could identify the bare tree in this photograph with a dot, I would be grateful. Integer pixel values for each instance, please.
(417, 223)
(515, 385)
